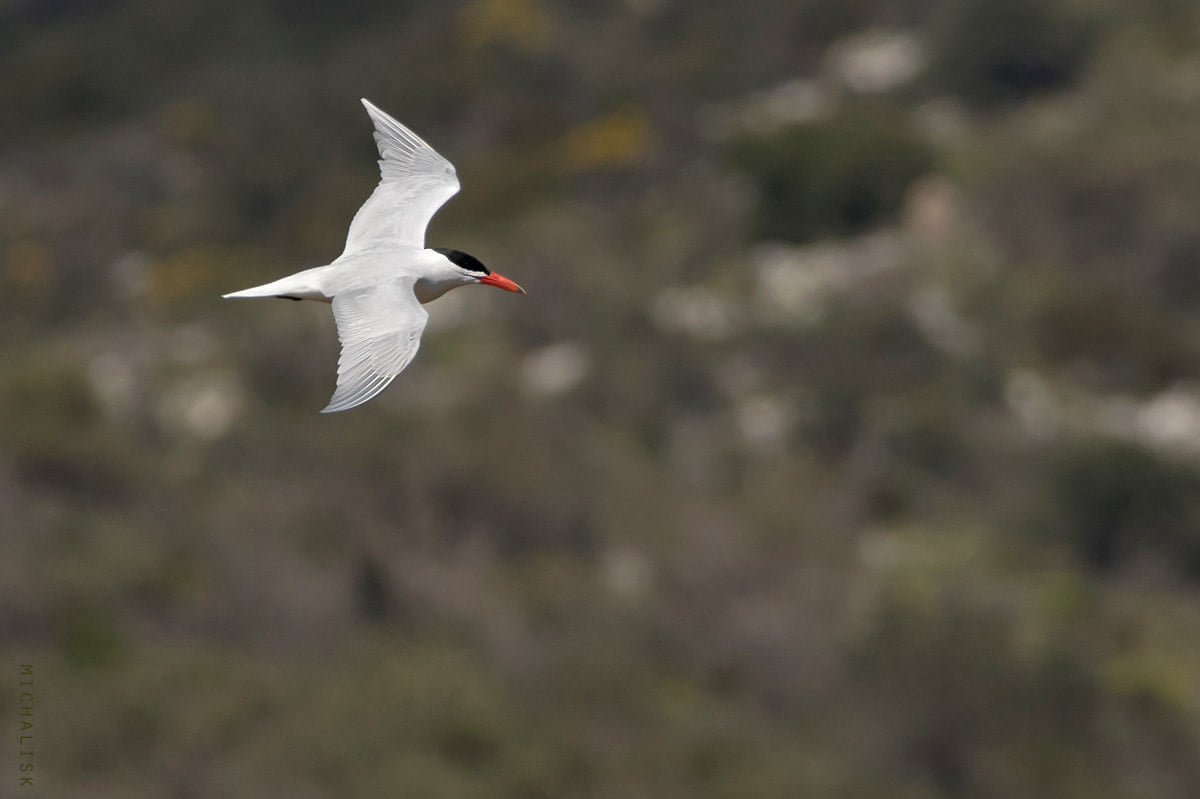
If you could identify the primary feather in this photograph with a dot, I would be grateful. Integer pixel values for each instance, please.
(415, 183)
(380, 330)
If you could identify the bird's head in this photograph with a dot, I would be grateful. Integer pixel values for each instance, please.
(473, 271)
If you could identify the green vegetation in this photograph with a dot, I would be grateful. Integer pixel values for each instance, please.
(838, 177)
(847, 443)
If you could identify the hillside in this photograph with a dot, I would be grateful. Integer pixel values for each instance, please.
(847, 442)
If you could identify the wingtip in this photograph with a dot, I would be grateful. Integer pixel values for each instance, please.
(337, 405)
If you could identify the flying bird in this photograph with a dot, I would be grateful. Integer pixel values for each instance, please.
(380, 281)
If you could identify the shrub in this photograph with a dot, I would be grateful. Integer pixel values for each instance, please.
(835, 177)
(1115, 500)
(996, 51)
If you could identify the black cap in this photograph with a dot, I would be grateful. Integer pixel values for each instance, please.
(460, 258)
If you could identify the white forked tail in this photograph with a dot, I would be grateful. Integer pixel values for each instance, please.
(266, 290)
(304, 285)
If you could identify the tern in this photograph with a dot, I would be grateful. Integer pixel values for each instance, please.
(380, 281)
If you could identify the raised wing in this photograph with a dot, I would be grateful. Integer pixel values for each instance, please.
(380, 329)
(416, 182)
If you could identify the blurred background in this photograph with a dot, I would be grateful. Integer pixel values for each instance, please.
(847, 443)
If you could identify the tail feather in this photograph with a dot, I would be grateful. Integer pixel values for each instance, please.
(257, 291)
(300, 286)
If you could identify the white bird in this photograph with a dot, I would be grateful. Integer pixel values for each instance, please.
(380, 281)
